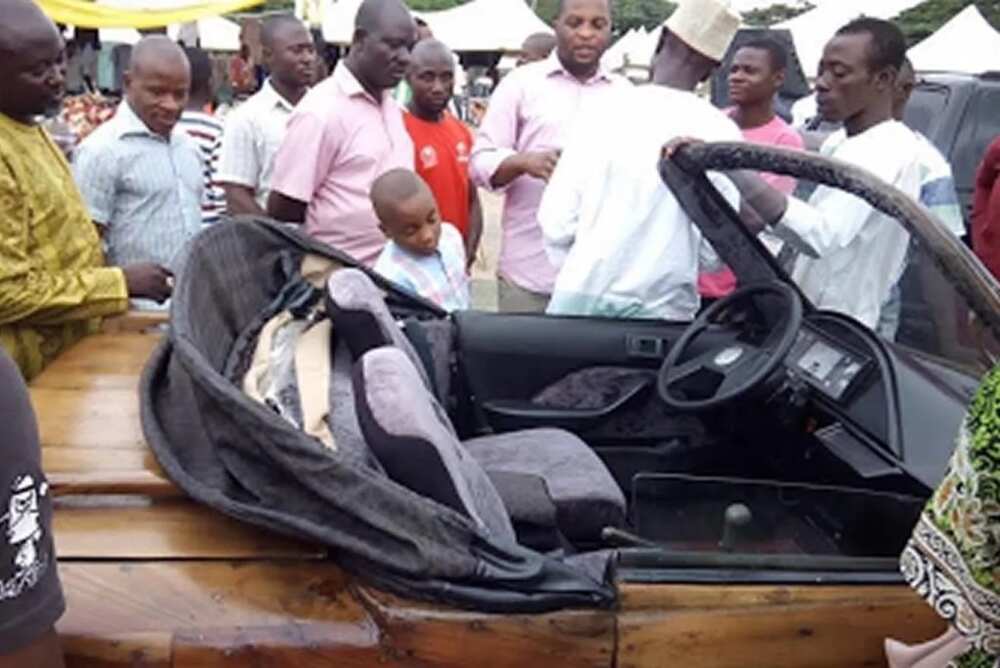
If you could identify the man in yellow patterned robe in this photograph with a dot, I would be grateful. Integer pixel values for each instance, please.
(54, 286)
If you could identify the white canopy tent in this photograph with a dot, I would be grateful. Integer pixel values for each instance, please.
(486, 25)
(215, 34)
(966, 43)
(813, 29)
(478, 25)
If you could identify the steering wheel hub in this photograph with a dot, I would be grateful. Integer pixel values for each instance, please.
(749, 354)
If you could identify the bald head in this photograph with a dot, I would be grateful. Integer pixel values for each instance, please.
(432, 79)
(157, 51)
(374, 15)
(431, 52)
(394, 187)
(536, 47)
(157, 83)
(384, 33)
(289, 51)
(31, 61)
(407, 211)
(278, 27)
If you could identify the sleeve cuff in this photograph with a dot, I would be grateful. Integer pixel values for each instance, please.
(486, 164)
(222, 178)
(794, 226)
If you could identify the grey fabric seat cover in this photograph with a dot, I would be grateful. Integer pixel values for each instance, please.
(409, 433)
(234, 455)
(358, 311)
(585, 496)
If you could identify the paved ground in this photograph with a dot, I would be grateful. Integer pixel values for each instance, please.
(484, 286)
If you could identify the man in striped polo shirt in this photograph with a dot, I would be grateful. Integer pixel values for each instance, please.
(141, 175)
(206, 131)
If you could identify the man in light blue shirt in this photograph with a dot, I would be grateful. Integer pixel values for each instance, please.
(140, 175)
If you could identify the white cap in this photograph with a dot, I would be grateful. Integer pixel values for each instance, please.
(707, 26)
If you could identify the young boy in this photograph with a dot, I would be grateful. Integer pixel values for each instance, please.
(423, 254)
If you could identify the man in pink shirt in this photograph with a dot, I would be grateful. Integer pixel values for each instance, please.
(345, 133)
(756, 75)
(529, 116)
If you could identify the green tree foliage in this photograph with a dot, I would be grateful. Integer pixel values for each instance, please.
(630, 14)
(768, 16)
(276, 6)
(927, 17)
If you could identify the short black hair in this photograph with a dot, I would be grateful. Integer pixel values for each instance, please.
(775, 51)
(561, 5)
(888, 45)
(201, 69)
(272, 24)
(420, 22)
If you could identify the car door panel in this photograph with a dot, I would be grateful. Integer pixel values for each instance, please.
(507, 359)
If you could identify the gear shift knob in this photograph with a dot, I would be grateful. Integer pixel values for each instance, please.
(736, 527)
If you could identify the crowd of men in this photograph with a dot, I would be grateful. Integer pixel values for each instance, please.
(588, 227)
(583, 230)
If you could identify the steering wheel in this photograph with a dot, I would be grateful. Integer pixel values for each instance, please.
(740, 364)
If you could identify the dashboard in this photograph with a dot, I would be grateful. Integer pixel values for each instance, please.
(828, 365)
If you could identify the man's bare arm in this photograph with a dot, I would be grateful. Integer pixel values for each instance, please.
(475, 232)
(537, 164)
(44, 652)
(242, 200)
(284, 208)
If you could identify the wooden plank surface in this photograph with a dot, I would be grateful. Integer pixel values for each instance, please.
(425, 635)
(233, 615)
(138, 528)
(113, 500)
(779, 627)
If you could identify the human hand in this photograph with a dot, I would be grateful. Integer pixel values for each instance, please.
(677, 143)
(540, 164)
(149, 281)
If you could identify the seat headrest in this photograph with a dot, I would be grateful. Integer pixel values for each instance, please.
(357, 308)
(409, 434)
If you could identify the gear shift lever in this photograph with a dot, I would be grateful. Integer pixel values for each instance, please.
(736, 527)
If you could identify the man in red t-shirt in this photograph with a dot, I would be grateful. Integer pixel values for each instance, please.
(986, 210)
(442, 142)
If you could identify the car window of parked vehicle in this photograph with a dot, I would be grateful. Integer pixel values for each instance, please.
(980, 126)
(926, 108)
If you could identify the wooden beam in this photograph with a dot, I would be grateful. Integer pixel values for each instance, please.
(779, 627)
(125, 528)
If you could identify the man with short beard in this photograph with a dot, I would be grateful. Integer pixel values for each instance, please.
(529, 117)
(345, 133)
(54, 285)
(442, 143)
(255, 129)
(140, 174)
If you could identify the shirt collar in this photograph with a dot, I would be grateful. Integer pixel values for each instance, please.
(273, 98)
(554, 66)
(127, 122)
(351, 87)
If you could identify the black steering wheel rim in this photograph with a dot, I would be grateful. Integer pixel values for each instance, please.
(754, 363)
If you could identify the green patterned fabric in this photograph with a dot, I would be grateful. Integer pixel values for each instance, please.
(953, 557)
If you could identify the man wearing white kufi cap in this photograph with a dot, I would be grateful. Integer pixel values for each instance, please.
(624, 246)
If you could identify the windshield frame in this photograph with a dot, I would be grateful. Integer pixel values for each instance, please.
(685, 174)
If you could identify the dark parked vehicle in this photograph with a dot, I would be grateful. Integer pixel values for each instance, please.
(960, 113)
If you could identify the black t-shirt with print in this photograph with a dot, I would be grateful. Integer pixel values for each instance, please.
(31, 598)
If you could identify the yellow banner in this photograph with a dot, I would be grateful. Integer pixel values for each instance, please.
(85, 14)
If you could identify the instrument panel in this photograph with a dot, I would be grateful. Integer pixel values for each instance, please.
(826, 365)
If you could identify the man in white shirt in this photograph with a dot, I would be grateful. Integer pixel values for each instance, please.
(255, 129)
(852, 255)
(622, 243)
(937, 194)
